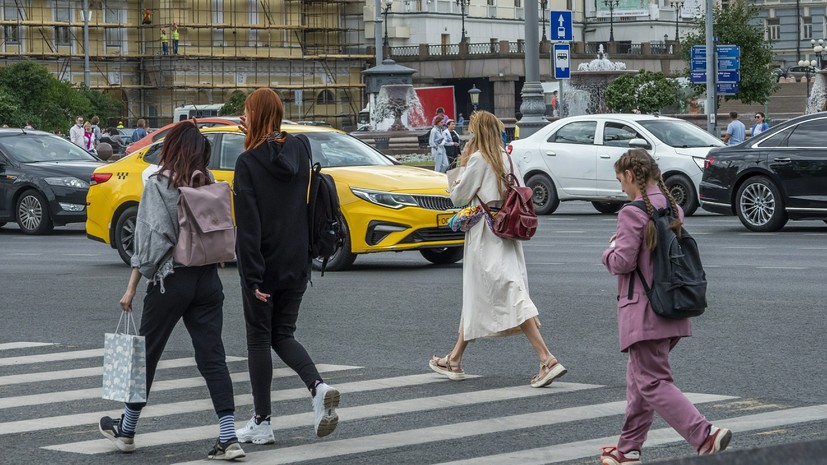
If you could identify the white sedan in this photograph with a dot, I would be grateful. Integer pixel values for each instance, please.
(573, 158)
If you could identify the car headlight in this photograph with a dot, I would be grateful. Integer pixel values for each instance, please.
(385, 199)
(699, 161)
(67, 182)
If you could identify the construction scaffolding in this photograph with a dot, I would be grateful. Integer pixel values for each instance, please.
(311, 52)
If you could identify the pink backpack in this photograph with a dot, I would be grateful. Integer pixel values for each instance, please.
(206, 233)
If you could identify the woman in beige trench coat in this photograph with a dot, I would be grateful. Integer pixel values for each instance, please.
(495, 299)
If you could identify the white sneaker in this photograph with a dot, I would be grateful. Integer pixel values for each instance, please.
(324, 409)
(261, 433)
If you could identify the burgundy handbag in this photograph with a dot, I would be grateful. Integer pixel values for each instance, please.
(516, 218)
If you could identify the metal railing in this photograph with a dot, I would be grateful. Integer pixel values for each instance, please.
(405, 51)
(519, 48)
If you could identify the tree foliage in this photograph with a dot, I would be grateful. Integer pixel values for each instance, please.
(647, 91)
(735, 25)
(234, 105)
(29, 92)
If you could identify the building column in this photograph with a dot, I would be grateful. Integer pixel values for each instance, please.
(504, 103)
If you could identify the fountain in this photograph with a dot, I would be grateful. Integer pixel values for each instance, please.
(585, 92)
(397, 108)
(818, 95)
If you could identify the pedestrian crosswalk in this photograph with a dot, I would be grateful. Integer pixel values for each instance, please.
(385, 415)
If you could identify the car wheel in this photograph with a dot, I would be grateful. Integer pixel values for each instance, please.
(608, 208)
(2, 224)
(545, 194)
(442, 256)
(682, 190)
(343, 258)
(125, 234)
(760, 206)
(33, 213)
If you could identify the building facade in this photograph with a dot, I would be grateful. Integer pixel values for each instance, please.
(791, 25)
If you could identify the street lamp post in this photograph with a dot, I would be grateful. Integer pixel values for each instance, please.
(385, 11)
(808, 66)
(462, 5)
(474, 93)
(818, 51)
(543, 6)
(611, 4)
(677, 5)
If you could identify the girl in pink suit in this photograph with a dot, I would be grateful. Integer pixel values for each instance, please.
(644, 335)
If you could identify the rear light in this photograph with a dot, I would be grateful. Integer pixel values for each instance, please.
(509, 148)
(708, 161)
(99, 178)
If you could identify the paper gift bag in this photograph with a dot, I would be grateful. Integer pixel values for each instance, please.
(124, 364)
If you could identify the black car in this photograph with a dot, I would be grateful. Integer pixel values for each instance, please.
(43, 180)
(773, 177)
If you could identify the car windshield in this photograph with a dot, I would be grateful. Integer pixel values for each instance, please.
(680, 134)
(332, 149)
(34, 148)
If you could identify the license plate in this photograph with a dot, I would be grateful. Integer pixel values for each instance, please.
(442, 219)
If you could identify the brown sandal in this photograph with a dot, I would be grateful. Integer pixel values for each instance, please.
(444, 367)
(550, 370)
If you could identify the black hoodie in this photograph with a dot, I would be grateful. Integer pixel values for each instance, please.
(270, 190)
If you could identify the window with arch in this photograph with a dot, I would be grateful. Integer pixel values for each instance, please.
(326, 96)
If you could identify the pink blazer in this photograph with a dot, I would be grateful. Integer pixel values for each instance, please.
(636, 321)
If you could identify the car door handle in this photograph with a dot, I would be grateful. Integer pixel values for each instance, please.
(782, 159)
(551, 154)
(605, 157)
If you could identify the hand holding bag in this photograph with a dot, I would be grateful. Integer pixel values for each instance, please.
(124, 363)
(516, 218)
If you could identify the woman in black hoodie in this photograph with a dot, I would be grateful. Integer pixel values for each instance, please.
(271, 181)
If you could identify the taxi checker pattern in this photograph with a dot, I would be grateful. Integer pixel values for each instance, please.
(66, 382)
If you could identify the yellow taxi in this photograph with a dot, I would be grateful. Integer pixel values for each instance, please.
(386, 206)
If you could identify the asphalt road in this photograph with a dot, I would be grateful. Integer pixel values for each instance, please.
(756, 360)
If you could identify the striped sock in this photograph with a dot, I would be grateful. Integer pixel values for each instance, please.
(130, 420)
(226, 428)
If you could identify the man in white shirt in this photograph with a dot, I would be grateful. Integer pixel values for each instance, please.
(76, 132)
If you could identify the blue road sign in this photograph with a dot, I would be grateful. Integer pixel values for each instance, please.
(699, 77)
(561, 26)
(727, 88)
(697, 58)
(561, 55)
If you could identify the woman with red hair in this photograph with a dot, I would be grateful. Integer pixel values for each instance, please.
(271, 181)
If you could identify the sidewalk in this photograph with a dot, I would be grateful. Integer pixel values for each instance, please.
(801, 453)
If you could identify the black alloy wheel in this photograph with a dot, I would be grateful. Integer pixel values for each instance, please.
(443, 255)
(682, 190)
(33, 213)
(125, 233)
(759, 205)
(544, 194)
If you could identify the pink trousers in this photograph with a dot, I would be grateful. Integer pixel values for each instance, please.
(650, 390)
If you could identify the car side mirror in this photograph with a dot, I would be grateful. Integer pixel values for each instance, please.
(639, 143)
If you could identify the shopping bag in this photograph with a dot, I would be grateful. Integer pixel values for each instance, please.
(124, 363)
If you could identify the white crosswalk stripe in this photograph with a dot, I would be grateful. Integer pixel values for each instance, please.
(403, 416)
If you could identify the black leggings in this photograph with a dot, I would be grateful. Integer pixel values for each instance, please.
(271, 324)
(194, 294)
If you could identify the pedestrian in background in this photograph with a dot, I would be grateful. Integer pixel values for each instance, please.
(437, 141)
(271, 179)
(96, 130)
(192, 293)
(461, 120)
(735, 130)
(28, 125)
(645, 336)
(760, 124)
(76, 132)
(164, 42)
(452, 148)
(140, 131)
(439, 112)
(495, 298)
(88, 138)
(175, 38)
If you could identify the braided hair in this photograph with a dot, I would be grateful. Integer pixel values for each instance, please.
(646, 172)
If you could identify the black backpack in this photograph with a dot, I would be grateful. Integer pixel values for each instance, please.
(678, 288)
(323, 214)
